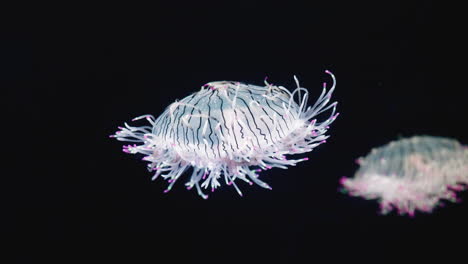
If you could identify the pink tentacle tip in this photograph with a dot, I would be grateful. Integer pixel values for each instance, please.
(306, 158)
(166, 191)
(212, 189)
(189, 187)
(323, 141)
(327, 72)
(229, 183)
(250, 183)
(268, 167)
(456, 187)
(343, 180)
(258, 170)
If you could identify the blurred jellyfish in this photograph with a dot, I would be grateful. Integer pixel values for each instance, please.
(411, 174)
(226, 128)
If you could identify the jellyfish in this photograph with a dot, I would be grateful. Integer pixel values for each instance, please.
(411, 174)
(229, 131)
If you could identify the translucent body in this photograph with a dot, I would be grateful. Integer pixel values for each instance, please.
(411, 174)
(226, 128)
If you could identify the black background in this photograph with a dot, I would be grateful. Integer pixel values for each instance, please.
(72, 74)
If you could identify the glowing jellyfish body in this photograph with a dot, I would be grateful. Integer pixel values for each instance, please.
(225, 129)
(411, 174)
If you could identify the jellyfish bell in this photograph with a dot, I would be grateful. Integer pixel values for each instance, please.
(229, 131)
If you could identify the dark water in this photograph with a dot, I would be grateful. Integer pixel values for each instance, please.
(71, 74)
